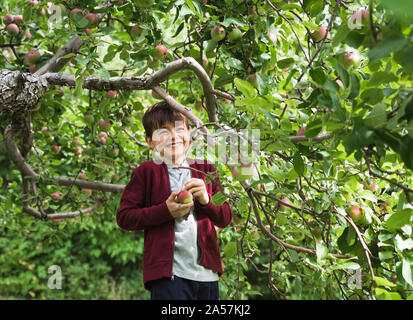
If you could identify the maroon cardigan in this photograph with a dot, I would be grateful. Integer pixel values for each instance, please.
(143, 207)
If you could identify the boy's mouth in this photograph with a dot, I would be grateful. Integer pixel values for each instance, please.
(174, 145)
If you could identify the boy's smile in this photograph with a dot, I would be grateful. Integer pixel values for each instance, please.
(172, 141)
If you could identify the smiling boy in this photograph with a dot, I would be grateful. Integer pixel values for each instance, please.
(181, 258)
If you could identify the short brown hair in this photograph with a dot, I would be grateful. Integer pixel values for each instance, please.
(158, 115)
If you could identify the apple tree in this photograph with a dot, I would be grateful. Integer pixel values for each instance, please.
(324, 208)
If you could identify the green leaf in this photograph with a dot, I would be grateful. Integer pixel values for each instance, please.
(80, 20)
(406, 147)
(354, 86)
(191, 6)
(245, 88)
(388, 45)
(79, 84)
(298, 164)
(235, 63)
(351, 237)
(178, 31)
(321, 251)
(407, 272)
(381, 77)
(402, 8)
(343, 74)
(230, 249)
(313, 128)
(341, 34)
(218, 198)
(383, 282)
(377, 117)
(347, 265)
(360, 137)
(318, 75)
(399, 219)
(316, 7)
(231, 20)
(262, 80)
(285, 63)
(385, 255)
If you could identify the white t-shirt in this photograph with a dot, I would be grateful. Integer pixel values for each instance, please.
(187, 252)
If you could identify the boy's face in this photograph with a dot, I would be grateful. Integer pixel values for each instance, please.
(172, 141)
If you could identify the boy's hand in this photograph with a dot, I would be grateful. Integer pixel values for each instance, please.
(177, 209)
(198, 189)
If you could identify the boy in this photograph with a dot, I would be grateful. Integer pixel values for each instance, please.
(181, 258)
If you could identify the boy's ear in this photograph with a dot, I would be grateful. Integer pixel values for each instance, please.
(149, 142)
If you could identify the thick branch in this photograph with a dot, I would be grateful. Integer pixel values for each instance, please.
(56, 63)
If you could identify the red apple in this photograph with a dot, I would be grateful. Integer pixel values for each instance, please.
(355, 213)
(115, 177)
(252, 78)
(43, 129)
(32, 68)
(93, 19)
(235, 35)
(351, 59)
(103, 140)
(301, 132)
(111, 94)
(87, 191)
(340, 83)
(33, 3)
(82, 175)
(8, 18)
(89, 118)
(56, 195)
(74, 11)
(360, 18)
(183, 197)
(114, 152)
(19, 19)
(103, 134)
(162, 51)
(28, 34)
(56, 148)
(13, 29)
(104, 125)
(78, 151)
(76, 142)
(282, 206)
(218, 33)
(136, 30)
(319, 34)
(88, 31)
(372, 186)
(31, 57)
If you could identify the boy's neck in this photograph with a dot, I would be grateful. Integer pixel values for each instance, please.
(175, 161)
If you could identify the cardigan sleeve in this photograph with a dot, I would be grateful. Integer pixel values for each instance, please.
(132, 214)
(221, 215)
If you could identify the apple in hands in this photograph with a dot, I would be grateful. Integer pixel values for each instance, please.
(175, 208)
(198, 190)
(184, 197)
